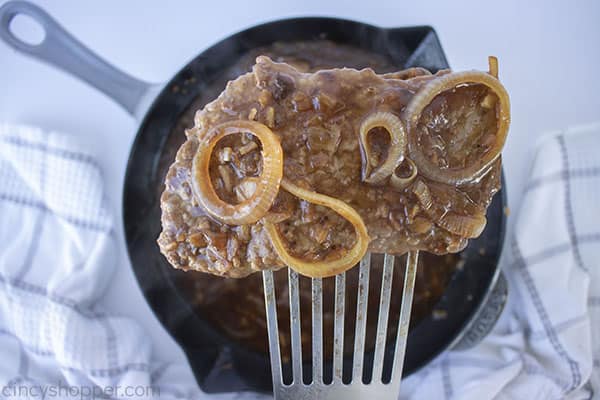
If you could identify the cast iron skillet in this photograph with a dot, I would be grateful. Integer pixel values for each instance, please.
(473, 299)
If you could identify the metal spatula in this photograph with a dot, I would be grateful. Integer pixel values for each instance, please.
(337, 389)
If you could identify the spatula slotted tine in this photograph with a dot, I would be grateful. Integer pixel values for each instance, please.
(382, 320)
(361, 318)
(295, 325)
(317, 330)
(356, 389)
(338, 327)
(410, 274)
(272, 328)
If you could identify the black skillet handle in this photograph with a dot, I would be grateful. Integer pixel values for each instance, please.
(486, 317)
(60, 49)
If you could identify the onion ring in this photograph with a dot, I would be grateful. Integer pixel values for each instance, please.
(254, 207)
(393, 125)
(429, 92)
(400, 182)
(321, 269)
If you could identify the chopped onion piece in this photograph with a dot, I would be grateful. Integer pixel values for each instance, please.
(469, 226)
(423, 194)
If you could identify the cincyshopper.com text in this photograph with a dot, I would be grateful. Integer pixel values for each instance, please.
(77, 392)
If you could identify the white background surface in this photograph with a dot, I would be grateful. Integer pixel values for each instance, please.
(549, 62)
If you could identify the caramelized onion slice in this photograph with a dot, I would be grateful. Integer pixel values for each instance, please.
(400, 182)
(493, 66)
(258, 203)
(394, 127)
(421, 190)
(469, 226)
(424, 97)
(321, 269)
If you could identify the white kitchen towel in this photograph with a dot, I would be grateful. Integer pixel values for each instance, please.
(56, 258)
(57, 248)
